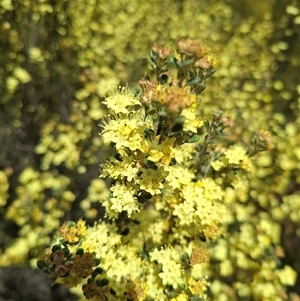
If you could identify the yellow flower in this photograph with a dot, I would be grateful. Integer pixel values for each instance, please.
(287, 276)
(161, 151)
(198, 287)
(124, 198)
(121, 100)
(198, 255)
(126, 132)
(72, 233)
(185, 212)
(211, 191)
(170, 260)
(236, 155)
(218, 164)
(192, 122)
(152, 180)
(116, 169)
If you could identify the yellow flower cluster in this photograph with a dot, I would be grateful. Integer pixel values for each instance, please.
(235, 155)
(256, 219)
(170, 192)
(72, 233)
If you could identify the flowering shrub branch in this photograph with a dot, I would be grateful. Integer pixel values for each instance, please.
(169, 172)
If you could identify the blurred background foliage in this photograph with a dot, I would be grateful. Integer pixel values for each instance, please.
(60, 58)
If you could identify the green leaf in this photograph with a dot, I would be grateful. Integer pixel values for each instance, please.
(173, 61)
(206, 123)
(80, 252)
(41, 264)
(193, 81)
(194, 139)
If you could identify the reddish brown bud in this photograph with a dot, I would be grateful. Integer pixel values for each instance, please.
(191, 47)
